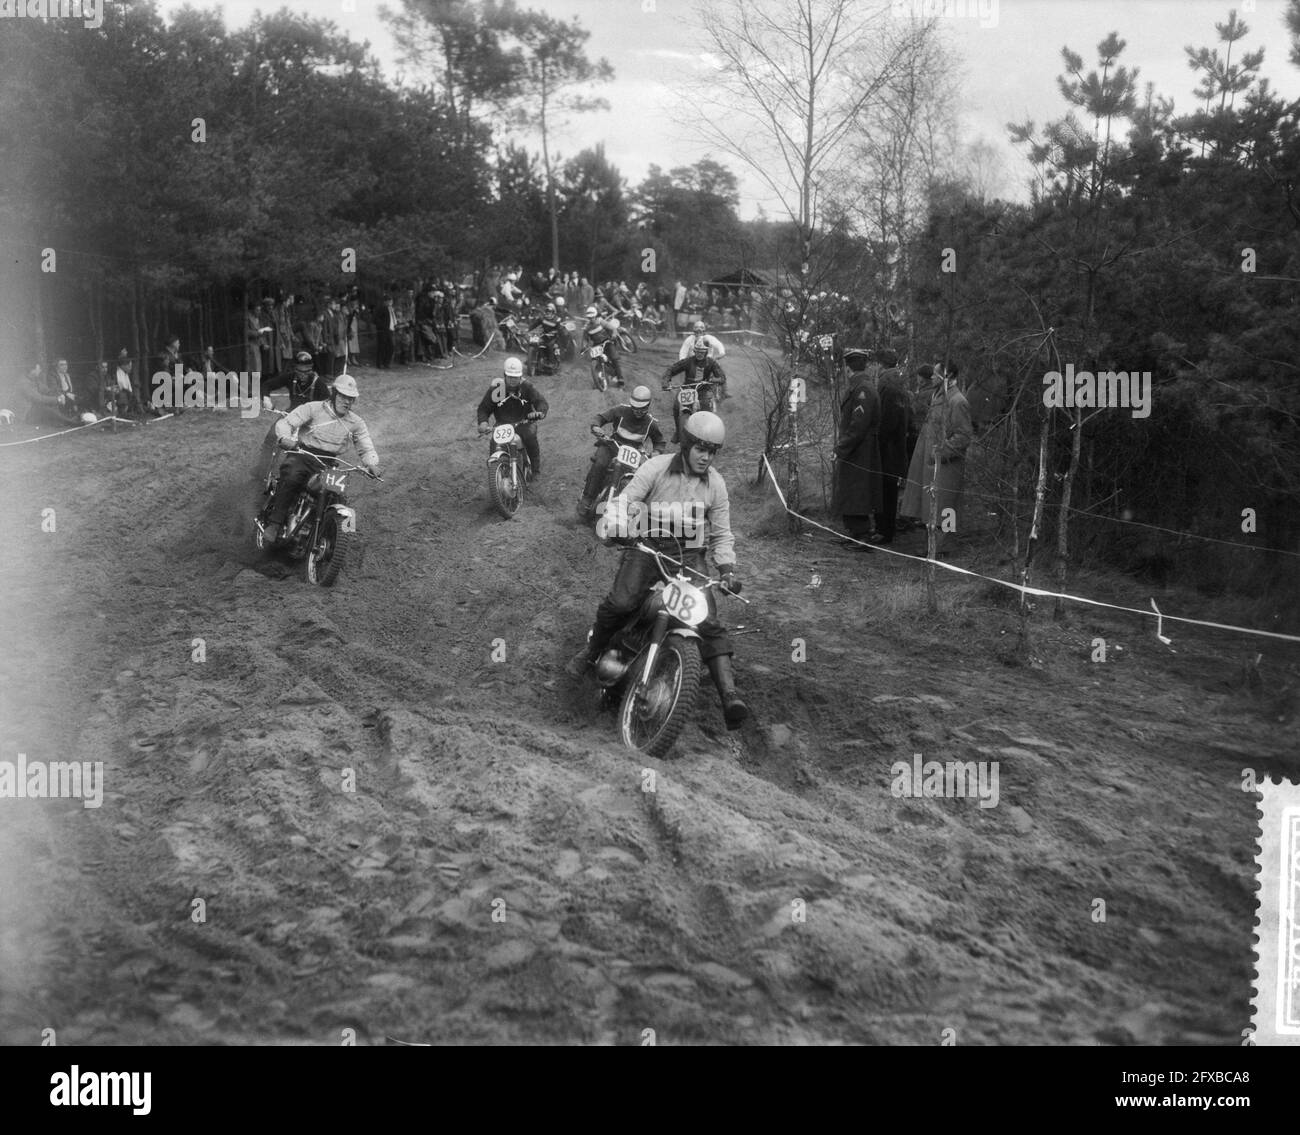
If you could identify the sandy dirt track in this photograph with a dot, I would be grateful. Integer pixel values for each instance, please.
(485, 787)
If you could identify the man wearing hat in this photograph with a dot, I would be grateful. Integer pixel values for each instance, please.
(939, 461)
(857, 492)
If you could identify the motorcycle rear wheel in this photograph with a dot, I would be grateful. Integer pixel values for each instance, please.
(651, 725)
(647, 332)
(506, 497)
(326, 560)
(599, 379)
(626, 342)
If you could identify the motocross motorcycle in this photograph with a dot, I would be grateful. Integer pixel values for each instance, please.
(567, 340)
(600, 371)
(509, 468)
(692, 396)
(543, 354)
(646, 327)
(508, 325)
(651, 668)
(622, 468)
(321, 526)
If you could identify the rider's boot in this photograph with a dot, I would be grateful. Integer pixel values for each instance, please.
(734, 710)
(580, 663)
(585, 506)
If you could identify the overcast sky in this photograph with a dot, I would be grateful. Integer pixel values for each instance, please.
(1009, 60)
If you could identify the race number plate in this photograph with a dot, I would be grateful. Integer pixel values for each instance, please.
(685, 603)
(534, 338)
(825, 342)
(335, 481)
(687, 397)
(503, 435)
(628, 455)
(348, 521)
(598, 351)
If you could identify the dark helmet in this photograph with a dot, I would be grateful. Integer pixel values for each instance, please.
(301, 359)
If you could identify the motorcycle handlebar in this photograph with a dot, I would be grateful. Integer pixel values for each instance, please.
(705, 580)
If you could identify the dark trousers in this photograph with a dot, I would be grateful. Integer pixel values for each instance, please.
(294, 474)
(596, 474)
(384, 349)
(637, 573)
(887, 520)
(527, 432)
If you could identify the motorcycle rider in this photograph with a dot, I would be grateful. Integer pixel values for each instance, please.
(324, 428)
(686, 479)
(715, 350)
(601, 330)
(633, 425)
(695, 367)
(548, 322)
(518, 403)
(304, 385)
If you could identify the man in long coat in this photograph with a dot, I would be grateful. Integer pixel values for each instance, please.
(939, 459)
(857, 493)
(895, 420)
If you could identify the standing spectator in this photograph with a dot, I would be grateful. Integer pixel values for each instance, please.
(253, 342)
(385, 325)
(336, 338)
(171, 364)
(311, 337)
(939, 460)
(857, 495)
(425, 315)
(586, 294)
(895, 416)
(266, 336)
(353, 309)
(282, 316)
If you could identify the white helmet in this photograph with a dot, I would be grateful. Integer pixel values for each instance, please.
(591, 312)
(705, 426)
(346, 385)
(514, 368)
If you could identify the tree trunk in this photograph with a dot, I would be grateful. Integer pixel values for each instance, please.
(1063, 520)
(1031, 544)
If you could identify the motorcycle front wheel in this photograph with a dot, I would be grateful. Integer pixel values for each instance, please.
(598, 377)
(506, 488)
(326, 560)
(651, 723)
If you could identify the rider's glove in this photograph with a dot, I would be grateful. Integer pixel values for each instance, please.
(484, 429)
(286, 443)
(373, 471)
(730, 580)
(596, 431)
(536, 416)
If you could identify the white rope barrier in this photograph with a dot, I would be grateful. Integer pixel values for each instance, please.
(1022, 588)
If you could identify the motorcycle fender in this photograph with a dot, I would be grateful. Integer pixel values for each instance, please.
(684, 632)
(499, 455)
(347, 517)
